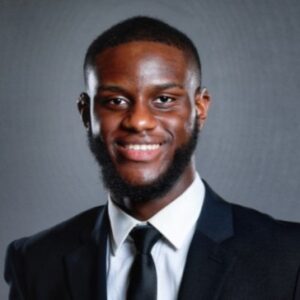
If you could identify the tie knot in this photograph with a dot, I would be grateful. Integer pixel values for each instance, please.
(144, 238)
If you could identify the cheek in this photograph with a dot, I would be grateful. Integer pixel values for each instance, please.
(107, 128)
(103, 123)
(180, 126)
(95, 121)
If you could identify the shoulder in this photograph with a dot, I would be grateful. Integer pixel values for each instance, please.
(253, 221)
(60, 237)
(257, 232)
(40, 257)
(249, 223)
(251, 231)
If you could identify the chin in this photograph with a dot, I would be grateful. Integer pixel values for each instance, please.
(141, 176)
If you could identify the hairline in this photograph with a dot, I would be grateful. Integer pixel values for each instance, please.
(89, 65)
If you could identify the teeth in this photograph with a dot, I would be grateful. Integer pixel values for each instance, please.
(142, 147)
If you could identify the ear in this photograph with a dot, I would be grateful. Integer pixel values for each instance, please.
(83, 105)
(202, 102)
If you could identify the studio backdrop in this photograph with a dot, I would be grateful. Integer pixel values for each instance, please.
(248, 150)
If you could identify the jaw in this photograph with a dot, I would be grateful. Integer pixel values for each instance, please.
(154, 182)
(145, 204)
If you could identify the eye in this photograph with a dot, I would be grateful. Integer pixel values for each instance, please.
(115, 103)
(164, 100)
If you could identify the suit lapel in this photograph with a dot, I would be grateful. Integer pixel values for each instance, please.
(86, 265)
(208, 261)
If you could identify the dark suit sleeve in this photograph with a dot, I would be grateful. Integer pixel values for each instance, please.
(14, 271)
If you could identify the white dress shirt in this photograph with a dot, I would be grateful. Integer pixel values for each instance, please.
(176, 222)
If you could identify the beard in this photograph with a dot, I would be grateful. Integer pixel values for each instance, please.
(121, 189)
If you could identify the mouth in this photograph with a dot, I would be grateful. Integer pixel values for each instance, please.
(142, 147)
(139, 152)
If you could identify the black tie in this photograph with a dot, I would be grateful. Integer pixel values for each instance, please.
(142, 277)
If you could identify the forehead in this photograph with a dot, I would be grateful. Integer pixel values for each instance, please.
(143, 59)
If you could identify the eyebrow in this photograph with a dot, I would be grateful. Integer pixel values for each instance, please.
(110, 88)
(166, 86)
(118, 89)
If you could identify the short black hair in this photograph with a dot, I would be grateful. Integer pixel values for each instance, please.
(141, 28)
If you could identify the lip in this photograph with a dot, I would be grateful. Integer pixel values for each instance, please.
(139, 151)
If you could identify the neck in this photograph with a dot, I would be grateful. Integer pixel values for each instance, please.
(144, 210)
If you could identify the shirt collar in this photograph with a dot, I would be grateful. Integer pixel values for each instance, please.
(174, 221)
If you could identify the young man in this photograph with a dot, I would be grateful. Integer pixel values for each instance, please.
(164, 234)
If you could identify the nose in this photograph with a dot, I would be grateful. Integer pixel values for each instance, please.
(139, 118)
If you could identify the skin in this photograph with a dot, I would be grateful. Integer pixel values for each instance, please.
(144, 93)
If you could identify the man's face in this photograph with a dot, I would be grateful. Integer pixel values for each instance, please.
(144, 102)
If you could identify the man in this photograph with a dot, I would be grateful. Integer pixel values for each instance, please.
(164, 234)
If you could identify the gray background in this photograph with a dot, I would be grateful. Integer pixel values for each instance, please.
(249, 150)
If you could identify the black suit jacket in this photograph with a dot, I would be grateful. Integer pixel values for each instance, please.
(236, 254)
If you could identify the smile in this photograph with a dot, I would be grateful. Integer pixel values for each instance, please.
(139, 152)
(142, 147)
